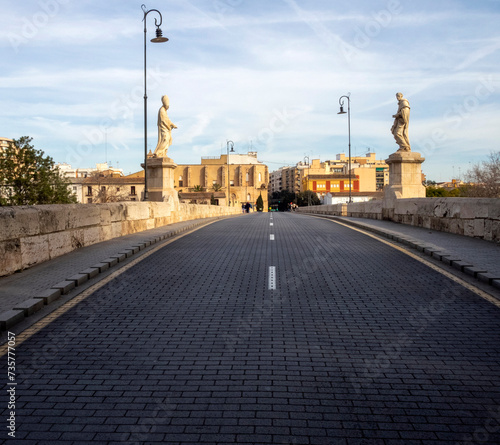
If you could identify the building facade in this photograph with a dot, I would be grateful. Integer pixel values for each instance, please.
(241, 177)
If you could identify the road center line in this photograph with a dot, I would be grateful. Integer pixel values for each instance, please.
(272, 278)
(271, 237)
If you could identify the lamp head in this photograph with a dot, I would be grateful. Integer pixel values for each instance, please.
(341, 110)
(159, 37)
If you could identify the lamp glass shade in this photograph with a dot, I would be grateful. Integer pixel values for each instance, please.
(341, 111)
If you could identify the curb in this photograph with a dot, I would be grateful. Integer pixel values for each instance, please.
(433, 251)
(43, 298)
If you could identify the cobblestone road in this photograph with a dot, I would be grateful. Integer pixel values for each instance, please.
(266, 329)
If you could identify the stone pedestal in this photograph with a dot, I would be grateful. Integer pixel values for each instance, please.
(405, 176)
(161, 180)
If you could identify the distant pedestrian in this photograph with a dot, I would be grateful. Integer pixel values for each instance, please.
(242, 207)
(247, 207)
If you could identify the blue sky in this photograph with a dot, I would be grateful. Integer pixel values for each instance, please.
(265, 74)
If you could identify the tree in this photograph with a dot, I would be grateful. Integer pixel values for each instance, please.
(303, 198)
(280, 200)
(484, 179)
(104, 188)
(260, 204)
(27, 177)
(217, 187)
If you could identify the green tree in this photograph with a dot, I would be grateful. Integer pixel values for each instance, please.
(281, 200)
(217, 187)
(197, 188)
(435, 192)
(27, 177)
(260, 204)
(303, 198)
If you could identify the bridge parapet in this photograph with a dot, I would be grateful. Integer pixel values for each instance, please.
(33, 234)
(475, 217)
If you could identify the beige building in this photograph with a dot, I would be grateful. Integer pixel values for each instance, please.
(368, 174)
(103, 184)
(248, 178)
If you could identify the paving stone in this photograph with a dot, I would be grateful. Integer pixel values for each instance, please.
(30, 306)
(79, 278)
(10, 318)
(473, 271)
(120, 257)
(487, 277)
(112, 261)
(49, 295)
(65, 286)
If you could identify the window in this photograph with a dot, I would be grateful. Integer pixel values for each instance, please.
(132, 190)
(103, 188)
(89, 200)
(260, 177)
(117, 189)
(247, 177)
(231, 183)
(181, 184)
(89, 190)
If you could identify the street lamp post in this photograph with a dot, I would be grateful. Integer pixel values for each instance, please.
(341, 102)
(228, 181)
(158, 39)
(307, 182)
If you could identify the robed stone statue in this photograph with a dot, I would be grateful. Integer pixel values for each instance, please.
(401, 121)
(165, 127)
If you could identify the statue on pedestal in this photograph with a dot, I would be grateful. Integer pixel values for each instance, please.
(401, 121)
(165, 126)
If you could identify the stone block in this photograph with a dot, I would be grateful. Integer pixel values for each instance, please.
(65, 286)
(53, 218)
(91, 235)
(34, 250)
(10, 257)
(101, 266)
(111, 261)
(80, 216)
(468, 225)
(479, 228)
(91, 272)
(18, 222)
(120, 257)
(10, 318)
(79, 278)
(49, 295)
(473, 271)
(30, 306)
(461, 265)
(64, 242)
(105, 215)
(137, 211)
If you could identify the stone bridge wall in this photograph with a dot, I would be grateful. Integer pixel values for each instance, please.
(476, 217)
(32, 234)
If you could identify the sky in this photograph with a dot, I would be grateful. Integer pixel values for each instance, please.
(265, 74)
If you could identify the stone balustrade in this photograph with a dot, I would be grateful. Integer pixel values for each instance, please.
(476, 217)
(33, 234)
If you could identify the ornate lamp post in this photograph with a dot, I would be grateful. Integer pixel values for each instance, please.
(228, 181)
(307, 181)
(158, 39)
(341, 102)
